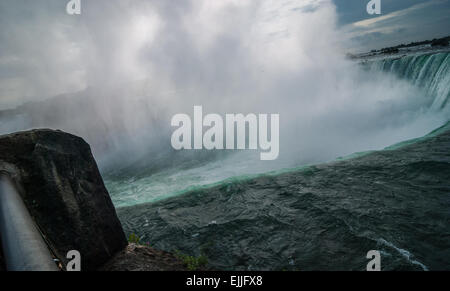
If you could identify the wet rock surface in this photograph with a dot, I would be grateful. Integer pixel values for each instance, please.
(58, 179)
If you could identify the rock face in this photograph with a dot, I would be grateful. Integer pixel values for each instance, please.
(59, 181)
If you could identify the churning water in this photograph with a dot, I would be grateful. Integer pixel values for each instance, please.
(325, 216)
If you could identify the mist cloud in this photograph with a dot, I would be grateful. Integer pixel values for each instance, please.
(128, 66)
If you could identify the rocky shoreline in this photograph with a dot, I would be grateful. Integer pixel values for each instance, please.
(61, 186)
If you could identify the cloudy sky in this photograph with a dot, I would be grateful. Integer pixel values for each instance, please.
(401, 21)
(45, 52)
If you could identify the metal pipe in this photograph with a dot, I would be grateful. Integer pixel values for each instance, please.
(23, 246)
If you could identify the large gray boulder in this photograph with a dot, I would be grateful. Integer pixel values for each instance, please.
(60, 183)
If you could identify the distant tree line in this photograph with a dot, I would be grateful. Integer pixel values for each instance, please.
(435, 42)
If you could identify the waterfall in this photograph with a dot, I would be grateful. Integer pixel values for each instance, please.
(430, 72)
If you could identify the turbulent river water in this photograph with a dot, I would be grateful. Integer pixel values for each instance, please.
(316, 217)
